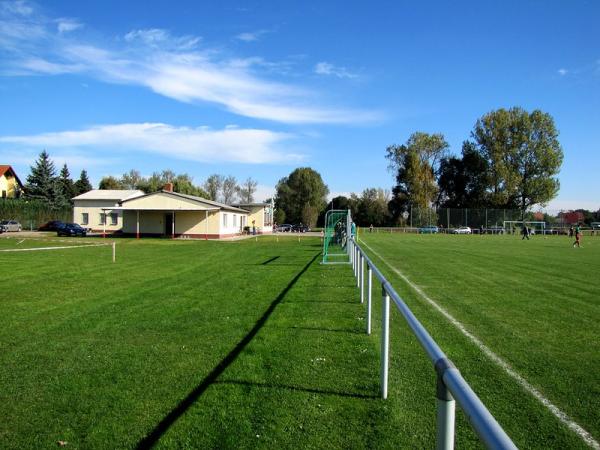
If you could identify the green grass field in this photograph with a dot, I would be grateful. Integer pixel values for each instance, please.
(534, 303)
(255, 344)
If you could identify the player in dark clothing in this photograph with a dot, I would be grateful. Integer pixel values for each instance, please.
(525, 232)
(577, 242)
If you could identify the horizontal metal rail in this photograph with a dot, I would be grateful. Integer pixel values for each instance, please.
(451, 386)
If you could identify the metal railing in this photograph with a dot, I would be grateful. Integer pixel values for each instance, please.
(451, 386)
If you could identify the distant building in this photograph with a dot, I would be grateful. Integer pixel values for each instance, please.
(260, 216)
(92, 209)
(10, 185)
(163, 213)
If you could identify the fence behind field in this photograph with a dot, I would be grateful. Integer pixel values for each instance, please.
(451, 386)
(33, 213)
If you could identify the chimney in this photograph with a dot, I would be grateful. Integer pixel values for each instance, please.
(168, 187)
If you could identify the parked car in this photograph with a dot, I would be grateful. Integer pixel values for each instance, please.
(53, 225)
(300, 228)
(462, 230)
(71, 229)
(10, 225)
(428, 230)
(284, 228)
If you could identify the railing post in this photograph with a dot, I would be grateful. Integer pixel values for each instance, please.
(362, 279)
(385, 341)
(369, 289)
(446, 408)
(358, 256)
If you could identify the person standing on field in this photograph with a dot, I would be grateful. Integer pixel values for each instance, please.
(577, 242)
(525, 232)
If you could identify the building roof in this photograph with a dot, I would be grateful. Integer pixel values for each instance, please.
(193, 198)
(109, 194)
(4, 168)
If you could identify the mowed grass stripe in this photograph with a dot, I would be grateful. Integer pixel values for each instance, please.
(97, 354)
(514, 323)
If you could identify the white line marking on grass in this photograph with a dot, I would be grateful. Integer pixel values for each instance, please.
(560, 415)
(51, 248)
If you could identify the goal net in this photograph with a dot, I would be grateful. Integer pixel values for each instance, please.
(515, 226)
(336, 230)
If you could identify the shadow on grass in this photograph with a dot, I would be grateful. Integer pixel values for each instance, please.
(298, 389)
(152, 438)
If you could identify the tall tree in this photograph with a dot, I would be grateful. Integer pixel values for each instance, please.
(372, 207)
(109, 182)
(416, 165)
(41, 180)
(83, 184)
(213, 185)
(65, 187)
(523, 154)
(131, 180)
(183, 183)
(229, 189)
(304, 186)
(247, 190)
(464, 182)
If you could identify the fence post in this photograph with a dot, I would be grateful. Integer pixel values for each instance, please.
(362, 279)
(385, 341)
(357, 267)
(369, 289)
(446, 408)
(114, 251)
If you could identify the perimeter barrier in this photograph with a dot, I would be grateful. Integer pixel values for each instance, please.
(451, 386)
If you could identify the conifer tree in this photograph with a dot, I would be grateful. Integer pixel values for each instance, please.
(40, 182)
(83, 184)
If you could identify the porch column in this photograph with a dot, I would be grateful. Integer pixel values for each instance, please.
(104, 224)
(206, 226)
(173, 226)
(137, 225)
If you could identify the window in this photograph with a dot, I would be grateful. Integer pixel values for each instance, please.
(224, 219)
(3, 194)
(234, 220)
(114, 218)
(84, 218)
(102, 218)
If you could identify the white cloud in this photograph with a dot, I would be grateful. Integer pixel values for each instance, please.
(68, 25)
(562, 72)
(251, 36)
(252, 146)
(325, 68)
(171, 66)
(263, 192)
(19, 7)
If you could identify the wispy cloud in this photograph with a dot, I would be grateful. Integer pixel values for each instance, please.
(172, 66)
(325, 68)
(251, 36)
(232, 144)
(67, 25)
(562, 72)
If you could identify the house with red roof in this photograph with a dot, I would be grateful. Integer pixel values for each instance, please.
(10, 185)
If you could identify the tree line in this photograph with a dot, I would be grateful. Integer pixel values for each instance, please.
(225, 189)
(510, 161)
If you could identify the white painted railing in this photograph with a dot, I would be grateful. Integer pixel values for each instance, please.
(451, 386)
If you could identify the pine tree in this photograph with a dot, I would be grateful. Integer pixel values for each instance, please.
(40, 182)
(83, 184)
(66, 187)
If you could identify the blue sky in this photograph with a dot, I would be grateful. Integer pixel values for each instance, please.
(259, 88)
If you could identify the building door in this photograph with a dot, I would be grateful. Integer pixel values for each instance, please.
(168, 224)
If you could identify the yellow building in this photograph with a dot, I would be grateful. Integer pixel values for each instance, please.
(10, 185)
(260, 216)
(93, 209)
(168, 213)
